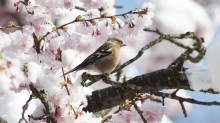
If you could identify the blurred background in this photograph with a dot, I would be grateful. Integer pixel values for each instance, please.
(171, 17)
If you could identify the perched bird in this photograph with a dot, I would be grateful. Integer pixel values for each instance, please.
(104, 59)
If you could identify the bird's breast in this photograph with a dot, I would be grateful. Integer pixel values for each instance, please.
(108, 64)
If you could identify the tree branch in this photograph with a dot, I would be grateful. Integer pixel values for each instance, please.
(169, 78)
(42, 97)
(24, 108)
(196, 47)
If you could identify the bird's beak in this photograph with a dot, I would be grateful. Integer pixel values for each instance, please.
(123, 45)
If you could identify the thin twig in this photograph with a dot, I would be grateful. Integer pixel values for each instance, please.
(180, 101)
(189, 100)
(9, 27)
(24, 108)
(43, 37)
(174, 93)
(183, 108)
(163, 101)
(37, 118)
(140, 53)
(80, 8)
(197, 46)
(67, 89)
(169, 39)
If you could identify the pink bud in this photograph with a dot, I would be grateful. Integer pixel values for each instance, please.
(16, 4)
(68, 3)
(17, 10)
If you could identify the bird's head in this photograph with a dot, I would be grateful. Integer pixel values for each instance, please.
(117, 41)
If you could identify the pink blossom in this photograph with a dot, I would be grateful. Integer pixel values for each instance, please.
(68, 3)
(44, 45)
(93, 13)
(152, 111)
(34, 70)
(11, 75)
(55, 43)
(46, 8)
(56, 12)
(88, 118)
(85, 28)
(39, 17)
(126, 117)
(43, 29)
(149, 6)
(28, 29)
(70, 42)
(5, 40)
(21, 42)
(43, 69)
(90, 4)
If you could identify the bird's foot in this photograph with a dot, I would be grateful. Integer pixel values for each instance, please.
(107, 75)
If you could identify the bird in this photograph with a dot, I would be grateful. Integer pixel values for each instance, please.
(104, 59)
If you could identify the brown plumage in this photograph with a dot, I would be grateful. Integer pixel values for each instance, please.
(104, 59)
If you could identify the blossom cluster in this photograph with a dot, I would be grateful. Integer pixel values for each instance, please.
(151, 111)
(36, 53)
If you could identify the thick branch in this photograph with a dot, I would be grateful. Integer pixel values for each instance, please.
(170, 78)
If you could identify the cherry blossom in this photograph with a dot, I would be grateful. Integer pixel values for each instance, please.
(21, 42)
(11, 75)
(89, 4)
(152, 111)
(38, 53)
(5, 40)
(93, 13)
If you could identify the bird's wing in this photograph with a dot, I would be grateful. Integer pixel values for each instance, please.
(92, 59)
(101, 52)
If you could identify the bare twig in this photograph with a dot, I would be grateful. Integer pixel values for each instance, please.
(64, 77)
(196, 47)
(157, 31)
(189, 100)
(80, 8)
(24, 108)
(174, 93)
(183, 108)
(37, 118)
(167, 37)
(163, 99)
(140, 53)
(9, 27)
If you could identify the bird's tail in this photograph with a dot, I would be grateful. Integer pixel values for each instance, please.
(68, 72)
